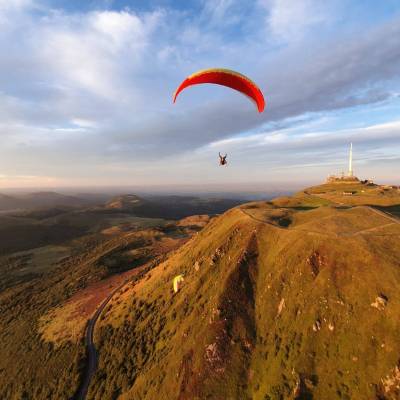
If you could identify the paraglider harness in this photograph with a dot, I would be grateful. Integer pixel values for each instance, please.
(222, 159)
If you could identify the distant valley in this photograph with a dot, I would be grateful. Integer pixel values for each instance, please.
(32, 220)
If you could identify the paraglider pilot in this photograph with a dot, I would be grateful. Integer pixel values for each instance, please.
(222, 159)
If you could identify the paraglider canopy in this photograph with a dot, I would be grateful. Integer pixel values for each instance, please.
(177, 282)
(228, 78)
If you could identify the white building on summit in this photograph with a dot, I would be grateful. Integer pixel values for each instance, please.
(349, 177)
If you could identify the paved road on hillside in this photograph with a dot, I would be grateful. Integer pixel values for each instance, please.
(91, 349)
(375, 210)
(384, 214)
(247, 214)
(393, 220)
(91, 364)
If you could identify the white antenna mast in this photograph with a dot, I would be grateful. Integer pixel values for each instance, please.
(350, 173)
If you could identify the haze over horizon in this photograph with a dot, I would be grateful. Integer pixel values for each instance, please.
(86, 92)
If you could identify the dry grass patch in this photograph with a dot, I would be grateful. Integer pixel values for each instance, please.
(63, 324)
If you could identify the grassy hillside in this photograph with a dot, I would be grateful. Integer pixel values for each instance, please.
(297, 298)
(48, 293)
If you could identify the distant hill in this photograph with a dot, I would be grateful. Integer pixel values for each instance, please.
(172, 207)
(127, 202)
(9, 203)
(44, 218)
(40, 200)
(297, 298)
(51, 199)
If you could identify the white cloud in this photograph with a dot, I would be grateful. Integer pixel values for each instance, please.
(284, 140)
(17, 181)
(94, 51)
(125, 28)
(120, 26)
(291, 19)
(84, 123)
(82, 91)
(218, 11)
(15, 4)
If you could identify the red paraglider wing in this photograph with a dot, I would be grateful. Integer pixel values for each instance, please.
(225, 77)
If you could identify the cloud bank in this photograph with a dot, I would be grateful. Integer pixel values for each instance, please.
(85, 94)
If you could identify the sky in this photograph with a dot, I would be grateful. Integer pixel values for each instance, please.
(86, 92)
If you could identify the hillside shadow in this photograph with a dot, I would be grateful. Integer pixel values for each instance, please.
(302, 208)
(283, 222)
(393, 210)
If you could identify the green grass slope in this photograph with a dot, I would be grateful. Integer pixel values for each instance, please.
(298, 298)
